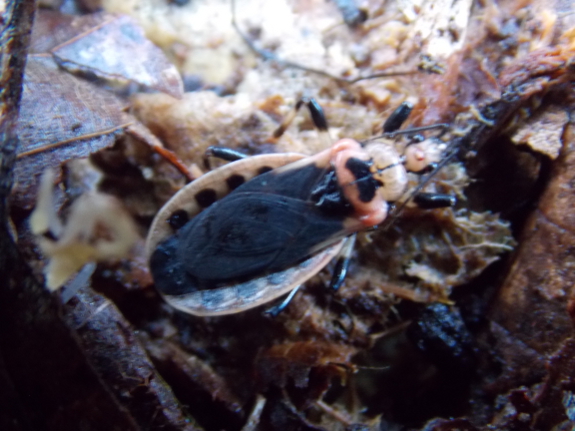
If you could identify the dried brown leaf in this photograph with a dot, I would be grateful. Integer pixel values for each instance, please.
(117, 356)
(112, 47)
(197, 371)
(117, 49)
(52, 28)
(521, 364)
(556, 398)
(197, 383)
(543, 132)
(62, 117)
(295, 360)
(449, 425)
(532, 303)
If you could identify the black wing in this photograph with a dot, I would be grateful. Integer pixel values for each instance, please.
(266, 225)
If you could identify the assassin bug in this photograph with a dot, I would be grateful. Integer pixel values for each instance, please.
(257, 228)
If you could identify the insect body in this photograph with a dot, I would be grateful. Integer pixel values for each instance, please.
(255, 229)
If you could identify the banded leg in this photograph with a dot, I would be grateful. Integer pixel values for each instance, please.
(342, 263)
(415, 130)
(423, 201)
(223, 153)
(429, 201)
(274, 310)
(317, 116)
(396, 119)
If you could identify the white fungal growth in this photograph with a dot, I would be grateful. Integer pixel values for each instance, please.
(98, 228)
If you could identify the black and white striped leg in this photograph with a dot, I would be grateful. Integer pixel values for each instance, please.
(430, 201)
(223, 153)
(274, 310)
(317, 116)
(342, 263)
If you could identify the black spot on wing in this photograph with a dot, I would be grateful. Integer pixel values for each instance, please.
(206, 197)
(235, 181)
(178, 219)
(264, 169)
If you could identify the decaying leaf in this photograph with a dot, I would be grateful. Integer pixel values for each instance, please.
(97, 229)
(117, 357)
(442, 26)
(200, 119)
(292, 363)
(543, 133)
(107, 46)
(198, 384)
(64, 117)
(541, 280)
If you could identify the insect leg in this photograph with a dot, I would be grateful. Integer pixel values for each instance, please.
(397, 117)
(430, 201)
(395, 121)
(342, 263)
(317, 115)
(278, 308)
(223, 153)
